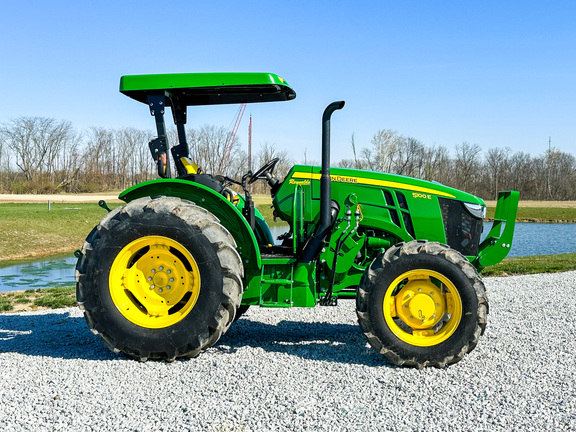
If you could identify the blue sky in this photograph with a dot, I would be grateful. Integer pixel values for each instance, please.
(492, 73)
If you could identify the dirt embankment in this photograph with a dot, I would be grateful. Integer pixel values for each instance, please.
(527, 203)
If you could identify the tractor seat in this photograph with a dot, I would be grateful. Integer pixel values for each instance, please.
(205, 180)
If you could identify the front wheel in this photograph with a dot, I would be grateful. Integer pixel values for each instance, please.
(422, 304)
(159, 278)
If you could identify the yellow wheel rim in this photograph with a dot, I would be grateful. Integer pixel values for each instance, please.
(154, 282)
(422, 307)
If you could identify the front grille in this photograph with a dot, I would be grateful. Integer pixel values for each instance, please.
(462, 230)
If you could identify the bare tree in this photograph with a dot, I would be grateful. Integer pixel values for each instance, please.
(207, 147)
(98, 160)
(497, 167)
(36, 143)
(437, 162)
(561, 170)
(466, 167)
(357, 163)
(385, 145)
(4, 164)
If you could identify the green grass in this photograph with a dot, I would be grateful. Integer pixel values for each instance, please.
(51, 298)
(264, 204)
(541, 214)
(532, 265)
(54, 298)
(5, 304)
(30, 229)
(22, 299)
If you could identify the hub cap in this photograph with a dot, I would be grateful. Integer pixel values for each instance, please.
(422, 307)
(154, 282)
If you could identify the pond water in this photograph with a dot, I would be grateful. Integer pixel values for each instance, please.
(46, 273)
(541, 239)
(529, 239)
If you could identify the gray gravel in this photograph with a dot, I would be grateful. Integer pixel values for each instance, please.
(300, 369)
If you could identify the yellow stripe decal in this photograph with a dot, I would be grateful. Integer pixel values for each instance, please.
(372, 182)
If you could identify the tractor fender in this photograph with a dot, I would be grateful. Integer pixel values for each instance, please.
(230, 216)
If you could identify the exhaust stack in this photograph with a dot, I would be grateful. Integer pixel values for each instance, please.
(314, 244)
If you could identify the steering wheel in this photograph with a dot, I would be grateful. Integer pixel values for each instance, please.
(267, 168)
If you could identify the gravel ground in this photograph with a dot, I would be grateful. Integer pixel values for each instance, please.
(300, 369)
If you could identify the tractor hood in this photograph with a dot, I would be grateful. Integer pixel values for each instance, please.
(301, 173)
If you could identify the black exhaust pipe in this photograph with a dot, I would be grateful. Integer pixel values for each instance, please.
(314, 244)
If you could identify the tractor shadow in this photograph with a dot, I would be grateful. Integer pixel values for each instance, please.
(321, 341)
(66, 336)
(56, 335)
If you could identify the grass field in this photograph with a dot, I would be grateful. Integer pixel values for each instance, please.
(30, 230)
(532, 265)
(541, 214)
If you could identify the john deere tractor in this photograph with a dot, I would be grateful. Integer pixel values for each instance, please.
(165, 275)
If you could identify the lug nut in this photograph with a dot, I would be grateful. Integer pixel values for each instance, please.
(437, 304)
(153, 270)
(171, 279)
(149, 278)
(161, 268)
(152, 286)
(168, 271)
(168, 287)
(159, 290)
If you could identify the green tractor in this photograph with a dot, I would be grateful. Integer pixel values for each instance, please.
(164, 276)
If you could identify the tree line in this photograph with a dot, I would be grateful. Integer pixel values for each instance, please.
(42, 155)
(549, 176)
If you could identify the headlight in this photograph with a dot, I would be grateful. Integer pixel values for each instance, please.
(476, 210)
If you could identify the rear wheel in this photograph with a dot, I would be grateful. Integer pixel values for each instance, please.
(422, 304)
(159, 278)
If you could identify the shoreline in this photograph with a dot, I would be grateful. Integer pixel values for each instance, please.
(33, 256)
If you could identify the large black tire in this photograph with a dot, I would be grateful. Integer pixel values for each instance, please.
(418, 276)
(116, 273)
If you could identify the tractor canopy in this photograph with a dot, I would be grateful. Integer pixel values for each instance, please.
(209, 88)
